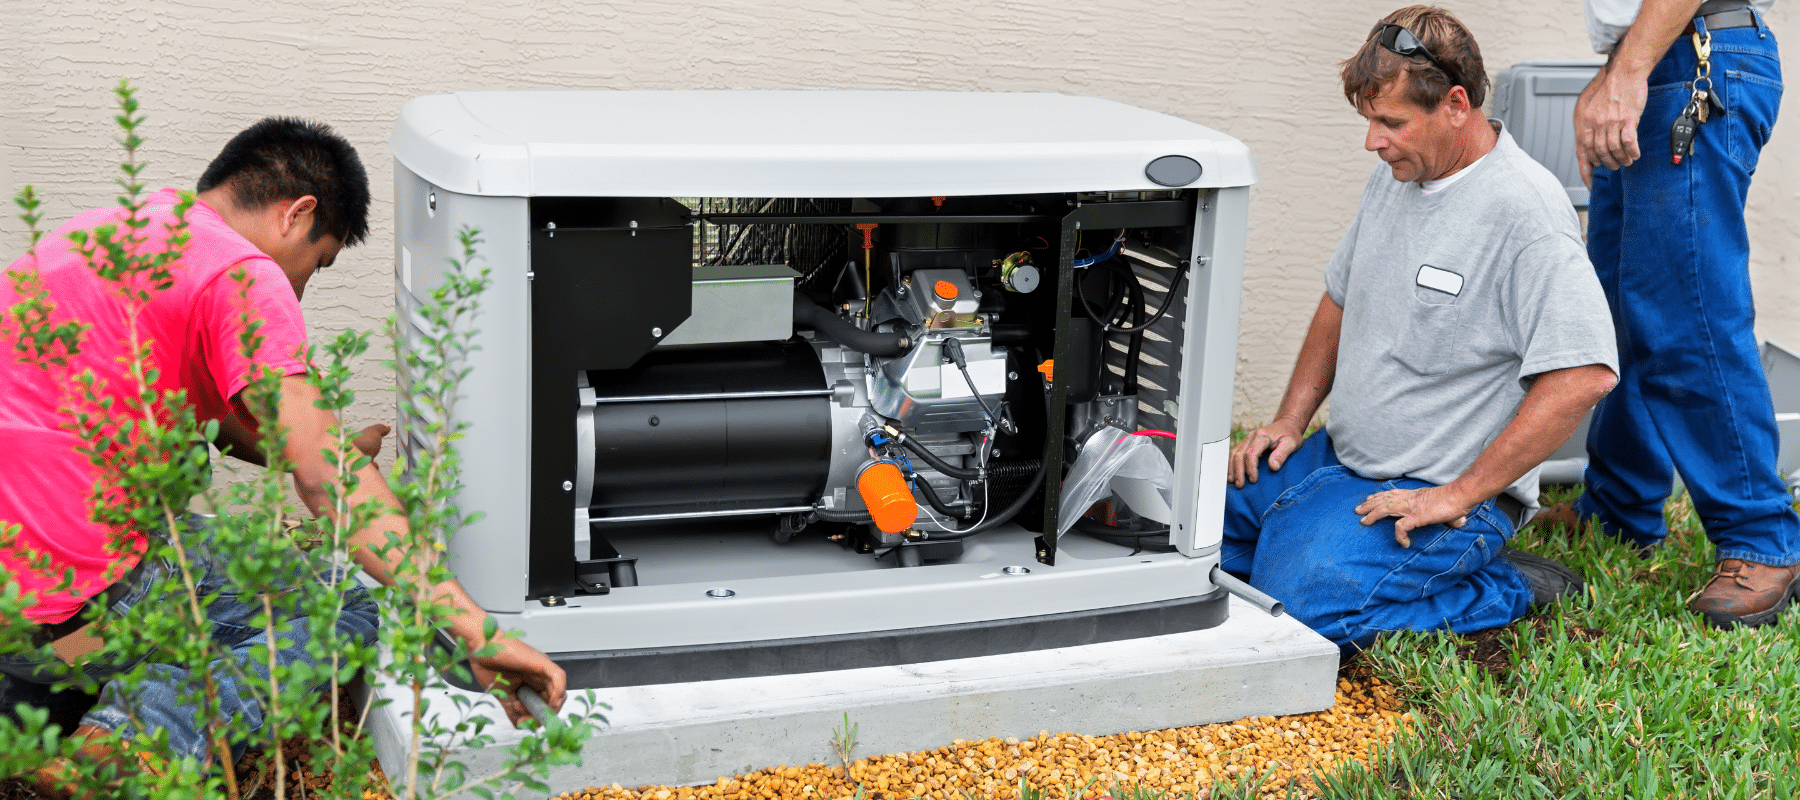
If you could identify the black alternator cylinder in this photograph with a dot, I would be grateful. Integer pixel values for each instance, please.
(711, 428)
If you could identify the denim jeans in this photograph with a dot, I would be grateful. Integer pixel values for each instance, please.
(155, 702)
(1295, 534)
(1672, 252)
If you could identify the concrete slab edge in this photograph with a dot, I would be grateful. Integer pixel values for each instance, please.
(677, 734)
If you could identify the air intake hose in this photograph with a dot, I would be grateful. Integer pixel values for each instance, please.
(840, 330)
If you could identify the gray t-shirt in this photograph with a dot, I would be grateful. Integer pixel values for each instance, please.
(1453, 300)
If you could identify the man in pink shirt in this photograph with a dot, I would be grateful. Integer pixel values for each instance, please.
(274, 207)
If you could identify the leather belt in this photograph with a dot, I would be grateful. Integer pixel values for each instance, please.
(1511, 507)
(1735, 15)
(48, 632)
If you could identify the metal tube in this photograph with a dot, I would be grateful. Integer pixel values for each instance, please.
(667, 398)
(736, 512)
(540, 710)
(1246, 592)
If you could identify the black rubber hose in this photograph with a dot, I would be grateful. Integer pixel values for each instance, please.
(1138, 309)
(935, 461)
(840, 516)
(1168, 303)
(936, 502)
(840, 330)
(1126, 538)
(1005, 515)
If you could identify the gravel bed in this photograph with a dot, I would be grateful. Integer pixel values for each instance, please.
(1274, 753)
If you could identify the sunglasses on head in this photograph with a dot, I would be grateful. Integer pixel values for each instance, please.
(1402, 42)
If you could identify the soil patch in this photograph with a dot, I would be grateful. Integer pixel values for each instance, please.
(1492, 650)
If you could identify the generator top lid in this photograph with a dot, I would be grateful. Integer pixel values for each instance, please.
(804, 144)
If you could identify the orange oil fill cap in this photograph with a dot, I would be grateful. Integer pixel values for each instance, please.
(890, 501)
(945, 290)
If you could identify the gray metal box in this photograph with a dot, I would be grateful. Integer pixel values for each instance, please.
(739, 303)
(1536, 100)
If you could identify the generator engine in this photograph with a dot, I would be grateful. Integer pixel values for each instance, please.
(882, 411)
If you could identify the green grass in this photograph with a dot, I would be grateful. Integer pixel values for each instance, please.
(1618, 694)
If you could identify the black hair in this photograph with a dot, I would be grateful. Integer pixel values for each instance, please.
(284, 158)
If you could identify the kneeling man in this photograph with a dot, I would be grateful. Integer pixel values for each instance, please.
(1461, 338)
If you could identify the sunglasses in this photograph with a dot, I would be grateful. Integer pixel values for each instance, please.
(1402, 42)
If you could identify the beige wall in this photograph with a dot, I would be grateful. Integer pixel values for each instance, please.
(1264, 73)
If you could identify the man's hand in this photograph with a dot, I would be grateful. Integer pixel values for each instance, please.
(1416, 508)
(1279, 439)
(1606, 121)
(518, 664)
(369, 441)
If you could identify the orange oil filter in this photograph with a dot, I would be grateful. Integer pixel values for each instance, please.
(885, 492)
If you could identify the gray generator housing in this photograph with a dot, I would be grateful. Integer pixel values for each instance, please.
(688, 360)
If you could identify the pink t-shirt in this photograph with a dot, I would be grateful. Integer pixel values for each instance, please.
(193, 327)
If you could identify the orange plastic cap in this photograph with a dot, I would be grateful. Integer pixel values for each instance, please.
(1049, 370)
(890, 501)
(945, 290)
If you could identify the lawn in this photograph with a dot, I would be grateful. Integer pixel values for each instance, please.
(1620, 693)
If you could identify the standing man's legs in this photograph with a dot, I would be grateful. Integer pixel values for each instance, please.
(1672, 252)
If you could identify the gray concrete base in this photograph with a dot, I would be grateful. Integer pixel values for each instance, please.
(694, 733)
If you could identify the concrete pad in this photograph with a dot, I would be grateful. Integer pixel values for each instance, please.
(694, 733)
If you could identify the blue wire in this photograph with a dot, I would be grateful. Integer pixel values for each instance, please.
(1110, 252)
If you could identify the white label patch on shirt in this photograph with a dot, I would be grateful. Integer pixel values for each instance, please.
(1442, 280)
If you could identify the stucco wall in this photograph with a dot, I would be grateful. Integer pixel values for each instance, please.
(1266, 74)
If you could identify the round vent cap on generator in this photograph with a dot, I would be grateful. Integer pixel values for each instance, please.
(1173, 171)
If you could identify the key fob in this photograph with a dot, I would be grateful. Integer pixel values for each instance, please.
(1681, 136)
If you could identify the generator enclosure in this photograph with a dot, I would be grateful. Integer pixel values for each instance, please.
(772, 382)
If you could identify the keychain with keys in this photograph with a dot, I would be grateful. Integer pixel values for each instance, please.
(1701, 104)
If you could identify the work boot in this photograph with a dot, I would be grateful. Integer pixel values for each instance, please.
(1746, 593)
(1550, 580)
(59, 778)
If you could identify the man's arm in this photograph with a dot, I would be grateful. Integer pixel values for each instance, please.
(1314, 372)
(1606, 115)
(308, 435)
(240, 442)
(237, 440)
(1549, 414)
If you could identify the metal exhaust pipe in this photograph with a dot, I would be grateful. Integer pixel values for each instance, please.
(1246, 592)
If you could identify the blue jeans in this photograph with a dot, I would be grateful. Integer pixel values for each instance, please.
(1672, 253)
(155, 702)
(1295, 534)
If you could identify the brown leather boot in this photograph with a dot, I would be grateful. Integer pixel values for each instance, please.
(60, 778)
(1746, 593)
